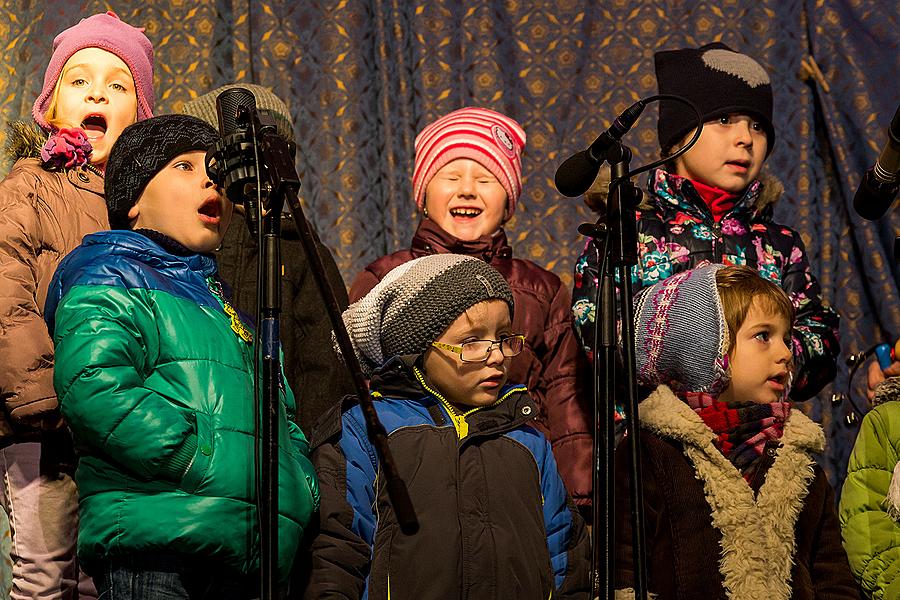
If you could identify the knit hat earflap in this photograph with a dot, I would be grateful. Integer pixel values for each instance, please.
(719, 81)
(204, 107)
(491, 139)
(142, 150)
(681, 336)
(107, 32)
(416, 302)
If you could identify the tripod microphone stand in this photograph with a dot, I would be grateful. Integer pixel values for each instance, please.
(617, 236)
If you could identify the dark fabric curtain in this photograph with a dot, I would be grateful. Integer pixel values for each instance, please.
(363, 76)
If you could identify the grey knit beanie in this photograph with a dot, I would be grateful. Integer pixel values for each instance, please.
(416, 302)
(681, 336)
(204, 107)
(142, 150)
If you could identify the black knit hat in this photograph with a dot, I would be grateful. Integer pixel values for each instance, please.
(719, 81)
(416, 302)
(142, 150)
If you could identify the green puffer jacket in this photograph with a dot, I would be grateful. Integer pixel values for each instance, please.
(870, 521)
(158, 391)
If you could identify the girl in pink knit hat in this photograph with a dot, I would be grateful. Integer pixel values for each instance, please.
(466, 181)
(99, 81)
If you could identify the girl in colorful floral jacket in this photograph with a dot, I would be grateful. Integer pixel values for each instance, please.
(708, 206)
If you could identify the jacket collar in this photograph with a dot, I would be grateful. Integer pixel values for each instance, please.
(397, 379)
(86, 178)
(124, 242)
(432, 239)
(758, 542)
(672, 193)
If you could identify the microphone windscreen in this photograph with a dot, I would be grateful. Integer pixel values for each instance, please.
(227, 105)
(576, 174)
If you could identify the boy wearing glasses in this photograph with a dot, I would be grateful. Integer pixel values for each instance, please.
(435, 336)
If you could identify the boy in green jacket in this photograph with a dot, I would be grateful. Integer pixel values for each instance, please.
(154, 372)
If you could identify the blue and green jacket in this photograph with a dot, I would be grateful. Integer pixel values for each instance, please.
(495, 519)
(157, 388)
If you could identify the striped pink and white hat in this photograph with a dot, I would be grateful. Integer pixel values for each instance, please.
(491, 139)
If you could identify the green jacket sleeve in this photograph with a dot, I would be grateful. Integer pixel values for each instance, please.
(871, 537)
(106, 344)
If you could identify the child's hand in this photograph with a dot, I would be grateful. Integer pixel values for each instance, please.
(876, 375)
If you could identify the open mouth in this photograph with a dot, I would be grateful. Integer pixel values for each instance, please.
(465, 212)
(210, 211)
(94, 124)
(743, 164)
(779, 381)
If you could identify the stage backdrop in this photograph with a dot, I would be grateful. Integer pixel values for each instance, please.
(362, 77)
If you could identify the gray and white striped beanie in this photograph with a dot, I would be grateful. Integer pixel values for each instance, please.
(416, 302)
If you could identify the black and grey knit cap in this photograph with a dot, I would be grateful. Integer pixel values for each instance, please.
(204, 107)
(719, 81)
(142, 150)
(416, 302)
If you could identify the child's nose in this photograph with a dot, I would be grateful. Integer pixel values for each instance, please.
(743, 135)
(96, 93)
(495, 355)
(466, 186)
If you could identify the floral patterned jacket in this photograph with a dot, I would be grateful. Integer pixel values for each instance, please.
(677, 232)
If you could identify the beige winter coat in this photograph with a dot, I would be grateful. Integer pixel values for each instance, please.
(43, 216)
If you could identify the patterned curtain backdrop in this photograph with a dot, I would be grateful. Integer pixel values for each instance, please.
(362, 77)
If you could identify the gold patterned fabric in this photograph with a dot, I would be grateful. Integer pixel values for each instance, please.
(363, 77)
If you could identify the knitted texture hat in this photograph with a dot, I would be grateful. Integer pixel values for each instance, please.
(142, 150)
(491, 139)
(204, 107)
(416, 302)
(107, 32)
(681, 336)
(719, 81)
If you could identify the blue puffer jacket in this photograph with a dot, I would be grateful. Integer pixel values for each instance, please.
(158, 391)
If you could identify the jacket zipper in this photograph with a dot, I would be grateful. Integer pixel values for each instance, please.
(459, 420)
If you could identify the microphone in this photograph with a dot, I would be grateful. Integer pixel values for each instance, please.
(577, 173)
(231, 163)
(879, 185)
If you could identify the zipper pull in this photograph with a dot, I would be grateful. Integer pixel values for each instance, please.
(462, 428)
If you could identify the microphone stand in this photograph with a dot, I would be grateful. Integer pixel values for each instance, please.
(618, 239)
(279, 182)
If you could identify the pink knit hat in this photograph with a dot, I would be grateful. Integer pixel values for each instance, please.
(493, 140)
(107, 32)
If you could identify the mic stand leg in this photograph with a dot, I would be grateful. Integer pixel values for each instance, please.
(622, 205)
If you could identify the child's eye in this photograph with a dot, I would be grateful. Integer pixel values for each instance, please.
(756, 126)
(79, 81)
(762, 336)
(119, 87)
(724, 120)
(184, 165)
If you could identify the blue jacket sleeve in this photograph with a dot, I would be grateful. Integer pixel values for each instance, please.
(567, 539)
(341, 551)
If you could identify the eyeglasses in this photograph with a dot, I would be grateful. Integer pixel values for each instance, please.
(479, 350)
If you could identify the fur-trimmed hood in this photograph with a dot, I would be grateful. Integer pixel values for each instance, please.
(757, 532)
(771, 189)
(24, 140)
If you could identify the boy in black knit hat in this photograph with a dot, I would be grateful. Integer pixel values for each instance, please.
(709, 205)
(435, 336)
(155, 377)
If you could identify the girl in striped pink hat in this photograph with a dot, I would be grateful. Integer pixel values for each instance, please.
(466, 182)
